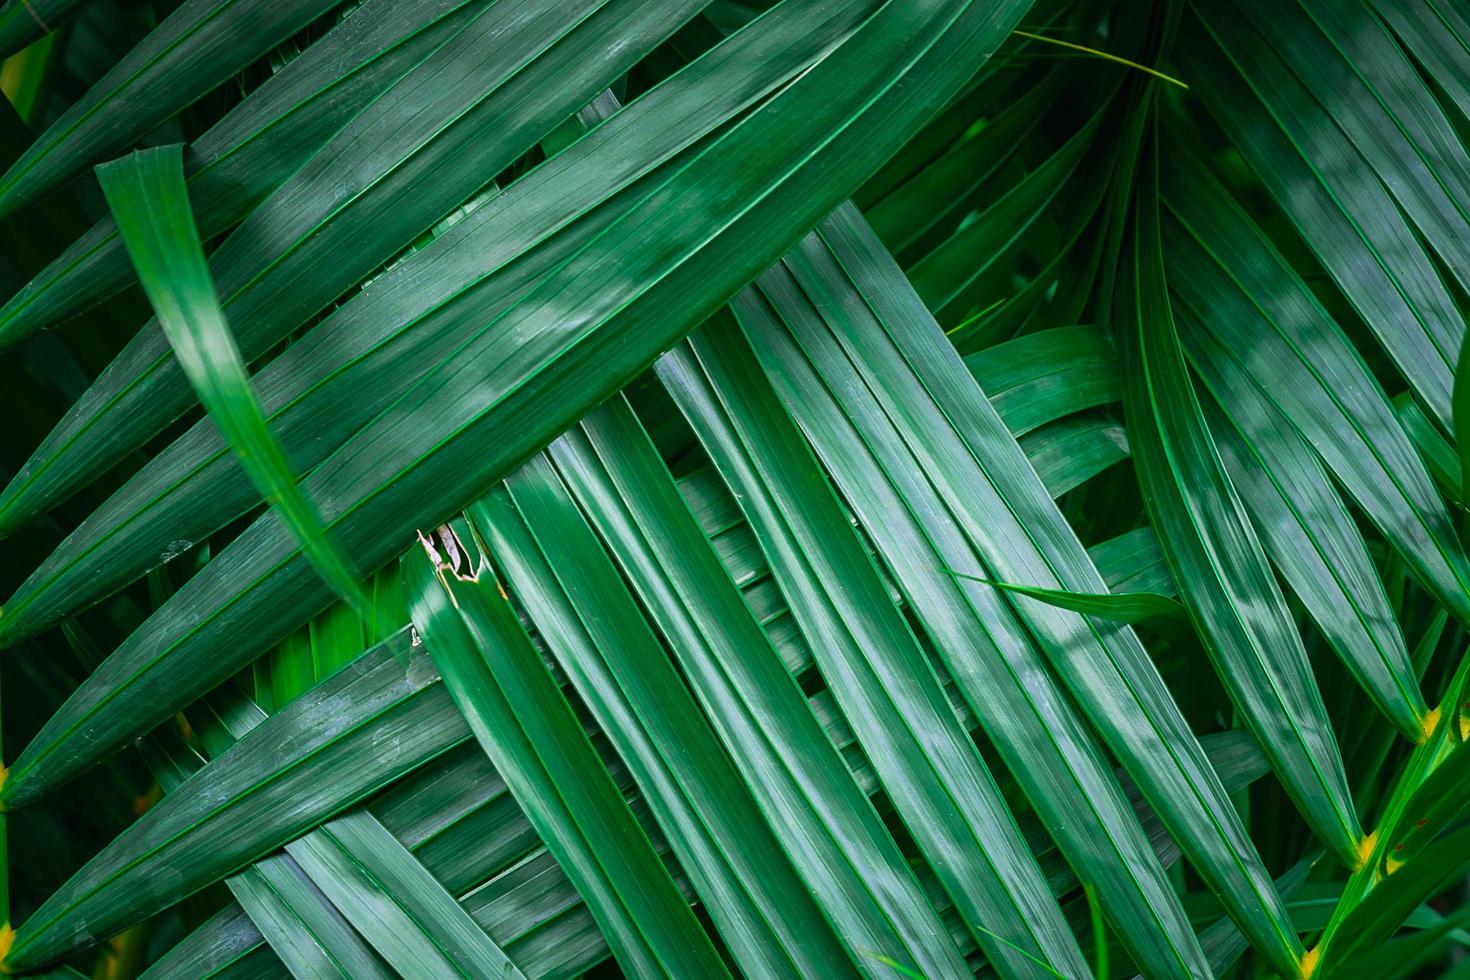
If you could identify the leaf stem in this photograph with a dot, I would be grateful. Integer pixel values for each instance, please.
(1116, 59)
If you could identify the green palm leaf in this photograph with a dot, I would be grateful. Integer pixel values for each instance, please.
(22, 23)
(827, 413)
(875, 666)
(554, 560)
(526, 726)
(1327, 185)
(403, 162)
(1312, 540)
(1216, 556)
(148, 200)
(1303, 364)
(875, 323)
(390, 691)
(755, 198)
(839, 848)
(201, 44)
(423, 309)
(245, 156)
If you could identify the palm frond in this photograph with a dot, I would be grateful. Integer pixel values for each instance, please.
(820, 488)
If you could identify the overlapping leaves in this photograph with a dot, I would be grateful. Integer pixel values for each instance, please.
(794, 627)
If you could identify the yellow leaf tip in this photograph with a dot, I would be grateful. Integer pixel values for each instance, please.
(1427, 724)
(1365, 848)
(1308, 962)
(7, 939)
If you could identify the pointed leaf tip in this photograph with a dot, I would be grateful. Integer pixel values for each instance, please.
(1120, 607)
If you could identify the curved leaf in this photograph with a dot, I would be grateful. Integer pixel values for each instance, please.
(1119, 607)
(1039, 377)
(146, 193)
(1069, 452)
(1215, 555)
(1132, 562)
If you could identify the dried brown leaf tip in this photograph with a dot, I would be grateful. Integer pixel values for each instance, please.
(449, 554)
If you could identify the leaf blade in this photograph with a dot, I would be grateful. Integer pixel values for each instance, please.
(1216, 556)
(868, 655)
(554, 562)
(891, 345)
(196, 841)
(239, 160)
(525, 725)
(198, 46)
(581, 361)
(146, 193)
